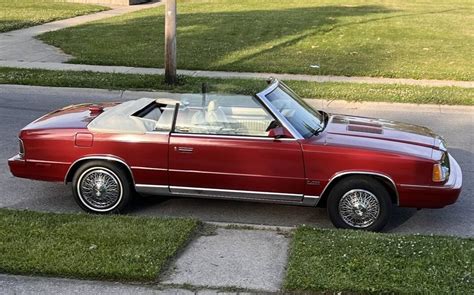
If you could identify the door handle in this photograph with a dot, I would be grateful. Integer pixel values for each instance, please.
(183, 149)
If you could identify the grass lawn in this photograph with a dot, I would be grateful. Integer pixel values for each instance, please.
(361, 262)
(127, 248)
(17, 14)
(345, 91)
(86, 246)
(393, 38)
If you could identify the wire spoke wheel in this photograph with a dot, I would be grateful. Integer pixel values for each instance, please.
(100, 189)
(359, 208)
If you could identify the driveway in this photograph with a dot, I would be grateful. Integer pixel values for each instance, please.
(19, 105)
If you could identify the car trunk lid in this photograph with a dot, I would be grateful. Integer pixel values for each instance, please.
(74, 116)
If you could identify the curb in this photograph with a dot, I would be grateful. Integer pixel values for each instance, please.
(230, 75)
(319, 103)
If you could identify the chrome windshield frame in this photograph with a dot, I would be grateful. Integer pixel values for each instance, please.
(263, 98)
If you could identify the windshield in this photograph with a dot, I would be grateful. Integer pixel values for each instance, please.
(304, 119)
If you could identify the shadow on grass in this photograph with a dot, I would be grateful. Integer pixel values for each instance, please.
(236, 40)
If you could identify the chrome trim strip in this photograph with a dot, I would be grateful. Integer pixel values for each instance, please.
(148, 168)
(339, 174)
(262, 96)
(237, 194)
(47, 162)
(311, 200)
(16, 158)
(187, 188)
(254, 196)
(243, 198)
(152, 189)
(152, 185)
(425, 186)
(232, 136)
(158, 132)
(107, 158)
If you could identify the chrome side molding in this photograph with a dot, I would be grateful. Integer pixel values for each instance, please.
(226, 194)
(311, 201)
(238, 194)
(242, 137)
(152, 189)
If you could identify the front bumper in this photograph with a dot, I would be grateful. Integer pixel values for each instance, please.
(18, 166)
(423, 196)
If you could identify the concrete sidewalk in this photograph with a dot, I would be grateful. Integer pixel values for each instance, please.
(21, 45)
(222, 260)
(228, 75)
(233, 258)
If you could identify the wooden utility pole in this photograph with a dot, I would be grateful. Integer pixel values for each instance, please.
(170, 42)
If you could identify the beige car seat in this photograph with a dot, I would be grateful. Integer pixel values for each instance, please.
(215, 115)
(165, 119)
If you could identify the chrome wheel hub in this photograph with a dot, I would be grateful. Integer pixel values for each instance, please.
(99, 189)
(359, 208)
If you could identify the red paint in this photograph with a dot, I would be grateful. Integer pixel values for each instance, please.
(403, 152)
(237, 164)
(84, 139)
(96, 109)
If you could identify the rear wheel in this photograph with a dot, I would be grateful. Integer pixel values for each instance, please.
(359, 202)
(101, 187)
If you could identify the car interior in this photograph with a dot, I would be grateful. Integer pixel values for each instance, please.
(216, 115)
(223, 119)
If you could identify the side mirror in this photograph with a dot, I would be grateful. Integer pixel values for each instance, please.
(277, 132)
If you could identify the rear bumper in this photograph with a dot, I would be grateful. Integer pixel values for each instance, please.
(422, 196)
(38, 170)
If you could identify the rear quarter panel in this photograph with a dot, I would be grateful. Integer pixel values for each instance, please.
(50, 153)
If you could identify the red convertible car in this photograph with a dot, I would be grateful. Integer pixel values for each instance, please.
(271, 147)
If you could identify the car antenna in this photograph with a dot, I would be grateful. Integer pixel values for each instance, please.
(204, 89)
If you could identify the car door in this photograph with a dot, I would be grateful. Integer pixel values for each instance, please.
(220, 147)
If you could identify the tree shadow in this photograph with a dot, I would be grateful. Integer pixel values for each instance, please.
(250, 40)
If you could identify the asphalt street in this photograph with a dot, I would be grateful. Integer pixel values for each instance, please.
(19, 105)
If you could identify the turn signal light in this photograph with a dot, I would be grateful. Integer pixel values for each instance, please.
(441, 170)
(437, 173)
(440, 173)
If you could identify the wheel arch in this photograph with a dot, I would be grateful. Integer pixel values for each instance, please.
(79, 162)
(386, 181)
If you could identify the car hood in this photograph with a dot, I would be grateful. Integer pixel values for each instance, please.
(379, 132)
(76, 116)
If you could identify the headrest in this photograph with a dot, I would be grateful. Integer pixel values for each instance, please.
(212, 106)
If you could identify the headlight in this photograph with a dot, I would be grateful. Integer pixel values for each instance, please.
(22, 148)
(441, 169)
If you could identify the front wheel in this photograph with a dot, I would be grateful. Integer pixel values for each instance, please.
(101, 187)
(361, 203)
